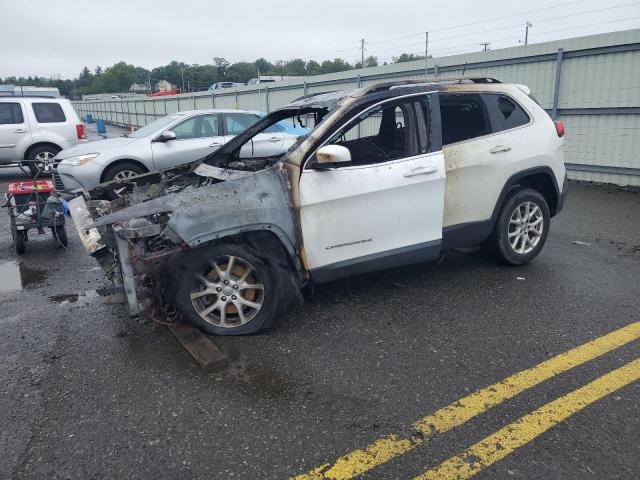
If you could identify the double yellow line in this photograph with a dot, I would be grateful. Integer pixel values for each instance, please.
(506, 440)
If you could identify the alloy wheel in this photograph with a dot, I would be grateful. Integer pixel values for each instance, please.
(229, 293)
(44, 161)
(525, 227)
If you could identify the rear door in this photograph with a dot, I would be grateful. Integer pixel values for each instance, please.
(196, 137)
(15, 135)
(384, 208)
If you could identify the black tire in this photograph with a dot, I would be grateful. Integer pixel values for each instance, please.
(499, 245)
(271, 299)
(60, 236)
(36, 168)
(117, 169)
(20, 241)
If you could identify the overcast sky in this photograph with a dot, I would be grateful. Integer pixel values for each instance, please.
(46, 37)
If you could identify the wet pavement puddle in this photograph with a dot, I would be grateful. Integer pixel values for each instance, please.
(18, 276)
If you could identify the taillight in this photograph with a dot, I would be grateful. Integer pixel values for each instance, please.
(559, 128)
(80, 132)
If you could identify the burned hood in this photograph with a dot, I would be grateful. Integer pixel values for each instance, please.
(259, 200)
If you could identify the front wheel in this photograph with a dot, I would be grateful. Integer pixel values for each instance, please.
(227, 290)
(521, 229)
(120, 171)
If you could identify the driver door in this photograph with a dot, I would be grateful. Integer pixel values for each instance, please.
(196, 137)
(384, 208)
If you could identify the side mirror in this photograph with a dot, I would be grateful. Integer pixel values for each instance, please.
(166, 136)
(332, 154)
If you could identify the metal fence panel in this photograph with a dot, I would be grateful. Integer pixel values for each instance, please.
(593, 83)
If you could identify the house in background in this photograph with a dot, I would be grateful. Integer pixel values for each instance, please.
(163, 86)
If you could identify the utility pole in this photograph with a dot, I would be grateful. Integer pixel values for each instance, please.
(149, 80)
(426, 53)
(526, 32)
(362, 52)
(182, 71)
(485, 45)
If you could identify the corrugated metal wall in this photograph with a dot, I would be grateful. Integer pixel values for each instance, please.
(590, 83)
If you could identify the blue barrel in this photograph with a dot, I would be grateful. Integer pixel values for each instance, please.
(100, 126)
(89, 118)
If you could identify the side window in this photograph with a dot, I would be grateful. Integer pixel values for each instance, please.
(209, 127)
(48, 112)
(200, 126)
(11, 114)
(384, 133)
(275, 128)
(505, 113)
(238, 122)
(464, 116)
(185, 130)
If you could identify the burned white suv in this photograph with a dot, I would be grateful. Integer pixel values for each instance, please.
(390, 174)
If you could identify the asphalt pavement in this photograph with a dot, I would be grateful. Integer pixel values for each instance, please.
(86, 392)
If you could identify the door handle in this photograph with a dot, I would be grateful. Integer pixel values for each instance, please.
(274, 139)
(215, 144)
(421, 171)
(500, 148)
(20, 130)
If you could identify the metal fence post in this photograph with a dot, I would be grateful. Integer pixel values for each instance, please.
(165, 105)
(305, 88)
(235, 95)
(266, 98)
(213, 100)
(556, 86)
(435, 70)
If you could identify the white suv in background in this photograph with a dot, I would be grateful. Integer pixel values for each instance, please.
(36, 129)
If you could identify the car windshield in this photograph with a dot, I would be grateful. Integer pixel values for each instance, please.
(155, 126)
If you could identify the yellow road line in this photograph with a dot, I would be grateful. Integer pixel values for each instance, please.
(457, 413)
(503, 442)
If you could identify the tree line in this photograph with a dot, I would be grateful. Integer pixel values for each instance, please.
(118, 78)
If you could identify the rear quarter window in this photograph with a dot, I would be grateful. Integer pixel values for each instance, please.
(10, 114)
(505, 112)
(48, 113)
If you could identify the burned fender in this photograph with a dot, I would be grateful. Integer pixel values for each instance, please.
(257, 201)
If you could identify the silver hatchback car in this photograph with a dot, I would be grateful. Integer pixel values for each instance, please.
(169, 141)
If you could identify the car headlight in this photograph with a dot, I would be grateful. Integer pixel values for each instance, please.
(79, 160)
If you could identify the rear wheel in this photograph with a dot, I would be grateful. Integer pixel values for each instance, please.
(521, 229)
(227, 290)
(121, 171)
(41, 159)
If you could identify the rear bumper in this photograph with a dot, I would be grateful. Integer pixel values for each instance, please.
(563, 195)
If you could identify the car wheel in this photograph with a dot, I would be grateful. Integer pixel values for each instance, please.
(521, 228)
(41, 159)
(227, 290)
(120, 171)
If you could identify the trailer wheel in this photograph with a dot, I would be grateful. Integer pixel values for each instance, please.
(59, 236)
(19, 238)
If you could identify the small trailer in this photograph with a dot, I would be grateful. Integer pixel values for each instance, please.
(34, 205)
